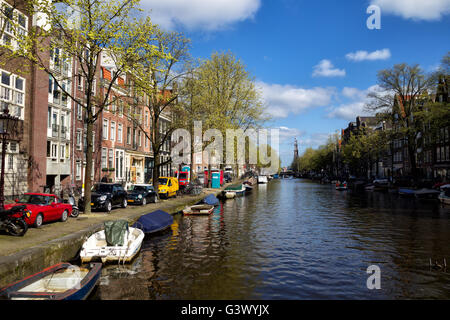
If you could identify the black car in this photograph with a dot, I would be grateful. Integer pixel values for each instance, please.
(141, 194)
(105, 196)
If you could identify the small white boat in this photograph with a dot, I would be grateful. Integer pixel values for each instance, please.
(230, 195)
(262, 179)
(97, 247)
(198, 210)
(444, 197)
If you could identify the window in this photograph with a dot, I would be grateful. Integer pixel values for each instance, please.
(105, 129)
(54, 150)
(12, 93)
(139, 139)
(146, 118)
(49, 117)
(104, 155)
(11, 162)
(63, 152)
(119, 164)
(79, 139)
(111, 158)
(113, 131)
(15, 24)
(79, 111)
(119, 133)
(78, 170)
(128, 135)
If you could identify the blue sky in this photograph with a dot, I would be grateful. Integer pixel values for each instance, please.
(313, 60)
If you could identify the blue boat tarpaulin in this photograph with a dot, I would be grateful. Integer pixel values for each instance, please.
(211, 200)
(154, 221)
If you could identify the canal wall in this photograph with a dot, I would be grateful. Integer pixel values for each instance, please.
(26, 262)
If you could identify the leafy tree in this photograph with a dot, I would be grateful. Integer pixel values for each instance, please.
(401, 98)
(84, 30)
(156, 78)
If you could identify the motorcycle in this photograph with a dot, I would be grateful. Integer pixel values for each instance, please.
(75, 210)
(15, 226)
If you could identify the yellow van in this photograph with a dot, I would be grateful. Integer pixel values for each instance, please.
(167, 187)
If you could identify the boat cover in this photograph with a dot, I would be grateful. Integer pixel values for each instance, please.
(211, 200)
(235, 187)
(154, 221)
(115, 232)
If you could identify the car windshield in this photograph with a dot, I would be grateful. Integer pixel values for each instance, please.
(183, 175)
(162, 181)
(102, 188)
(33, 199)
(139, 188)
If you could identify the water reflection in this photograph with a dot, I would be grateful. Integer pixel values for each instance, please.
(293, 239)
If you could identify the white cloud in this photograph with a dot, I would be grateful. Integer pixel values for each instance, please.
(207, 15)
(364, 55)
(415, 9)
(355, 107)
(314, 140)
(283, 100)
(326, 69)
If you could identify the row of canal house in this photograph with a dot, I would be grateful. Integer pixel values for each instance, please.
(122, 152)
(432, 155)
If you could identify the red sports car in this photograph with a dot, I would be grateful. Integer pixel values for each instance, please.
(44, 208)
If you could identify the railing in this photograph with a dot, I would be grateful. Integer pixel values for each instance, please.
(55, 130)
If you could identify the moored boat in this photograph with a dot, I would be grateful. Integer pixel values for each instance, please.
(153, 222)
(62, 281)
(262, 179)
(427, 194)
(341, 186)
(444, 196)
(234, 191)
(381, 184)
(198, 210)
(406, 192)
(211, 200)
(117, 242)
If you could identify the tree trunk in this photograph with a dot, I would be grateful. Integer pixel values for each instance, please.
(88, 171)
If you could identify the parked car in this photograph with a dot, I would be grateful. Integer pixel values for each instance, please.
(43, 207)
(141, 194)
(168, 187)
(105, 196)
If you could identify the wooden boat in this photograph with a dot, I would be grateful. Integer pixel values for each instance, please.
(262, 180)
(427, 194)
(62, 281)
(99, 247)
(198, 210)
(406, 192)
(248, 189)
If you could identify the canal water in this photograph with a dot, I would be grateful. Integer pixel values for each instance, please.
(293, 239)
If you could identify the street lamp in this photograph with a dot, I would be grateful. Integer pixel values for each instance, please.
(7, 125)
